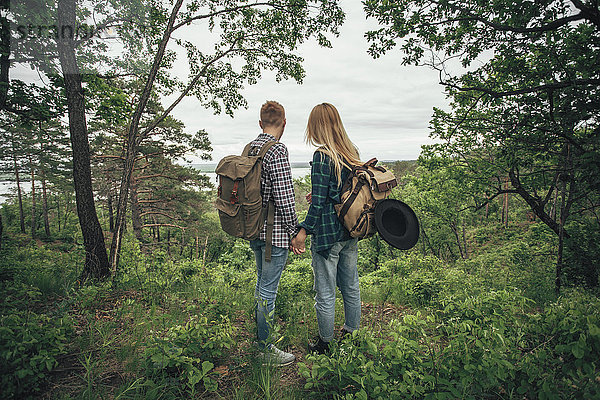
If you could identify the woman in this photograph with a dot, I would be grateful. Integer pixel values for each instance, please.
(334, 252)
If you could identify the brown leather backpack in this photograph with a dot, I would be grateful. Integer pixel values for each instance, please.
(365, 186)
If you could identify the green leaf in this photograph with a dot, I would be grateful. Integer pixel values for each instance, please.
(206, 367)
(578, 351)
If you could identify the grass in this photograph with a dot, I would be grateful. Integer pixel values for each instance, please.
(130, 338)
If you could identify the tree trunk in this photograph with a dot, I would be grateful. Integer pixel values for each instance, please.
(561, 237)
(505, 204)
(33, 205)
(454, 229)
(182, 243)
(553, 209)
(487, 206)
(169, 242)
(133, 140)
(19, 193)
(58, 211)
(136, 220)
(1, 229)
(427, 242)
(464, 238)
(4, 54)
(96, 260)
(43, 181)
(45, 205)
(535, 204)
(111, 221)
(204, 254)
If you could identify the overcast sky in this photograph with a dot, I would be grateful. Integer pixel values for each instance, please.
(385, 107)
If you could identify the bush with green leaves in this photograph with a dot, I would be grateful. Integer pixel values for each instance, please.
(561, 353)
(363, 366)
(190, 351)
(421, 281)
(239, 257)
(296, 283)
(53, 272)
(490, 345)
(30, 344)
(155, 272)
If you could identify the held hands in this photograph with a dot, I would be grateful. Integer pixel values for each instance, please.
(297, 245)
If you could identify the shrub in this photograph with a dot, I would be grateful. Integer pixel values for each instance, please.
(363, 366)
(190, 351)
(296, 283)
(561, 353)
(29, 348)
(239, 257)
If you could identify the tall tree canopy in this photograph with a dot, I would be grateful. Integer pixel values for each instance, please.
(523, 78)
(245, 38)
(228, 44)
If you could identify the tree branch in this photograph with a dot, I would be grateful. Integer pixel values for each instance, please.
(591, 13)
(516, 29)
(219, 12)
(549, 86)
(534, 203)
(188, 88)
(160, 213)
(157, 176)
(168, 225)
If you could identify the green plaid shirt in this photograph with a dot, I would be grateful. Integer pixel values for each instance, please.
(321, 221)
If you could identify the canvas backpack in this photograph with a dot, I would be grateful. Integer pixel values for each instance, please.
(365, 186)
(239, 201)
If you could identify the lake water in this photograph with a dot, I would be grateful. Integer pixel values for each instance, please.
(296, 173)
(8, 189)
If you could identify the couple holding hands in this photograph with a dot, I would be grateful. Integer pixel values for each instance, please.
(334, 252)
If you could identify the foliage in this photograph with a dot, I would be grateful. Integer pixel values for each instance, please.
(582, 253)
(477, 347)
(30, 343)
(189, 351)
(561, 354)
(485, 326)
(524, 107)
(239, 257)
(296, 284)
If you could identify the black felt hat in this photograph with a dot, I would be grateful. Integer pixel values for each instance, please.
(397, 223)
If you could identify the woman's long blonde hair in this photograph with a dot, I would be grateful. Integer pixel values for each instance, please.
(326, 131)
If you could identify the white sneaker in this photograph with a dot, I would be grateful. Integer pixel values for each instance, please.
(276, 357)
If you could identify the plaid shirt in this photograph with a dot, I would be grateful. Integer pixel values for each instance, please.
(276, 183)
(322, 221)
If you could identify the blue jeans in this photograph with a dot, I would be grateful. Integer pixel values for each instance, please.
(338, 270)
(267, 282)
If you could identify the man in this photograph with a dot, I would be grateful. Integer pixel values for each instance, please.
(276, 185)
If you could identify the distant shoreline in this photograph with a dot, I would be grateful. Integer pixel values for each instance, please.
(211, 167)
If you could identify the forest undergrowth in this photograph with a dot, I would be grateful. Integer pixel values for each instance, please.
(486, 327)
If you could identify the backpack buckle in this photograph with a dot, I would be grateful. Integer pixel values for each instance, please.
(234, 192)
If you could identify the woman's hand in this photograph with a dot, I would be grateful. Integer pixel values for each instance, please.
(298, 245)
(309, 198)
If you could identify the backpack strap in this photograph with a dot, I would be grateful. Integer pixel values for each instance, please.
(350, 200)
(270, 225)
(263, 150)
(246, 151)
(359, 184)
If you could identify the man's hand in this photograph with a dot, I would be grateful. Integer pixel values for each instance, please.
(297, 245)
(309, 198)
